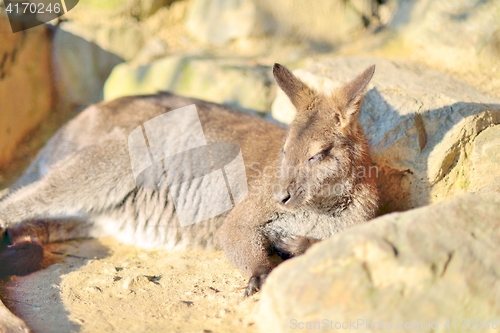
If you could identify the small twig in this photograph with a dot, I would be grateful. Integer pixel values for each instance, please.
(20, 302)
(214, 289)
(69, 255)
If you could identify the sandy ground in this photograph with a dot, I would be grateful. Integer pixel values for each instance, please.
(105, 286)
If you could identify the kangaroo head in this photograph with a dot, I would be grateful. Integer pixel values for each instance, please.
(324, 145)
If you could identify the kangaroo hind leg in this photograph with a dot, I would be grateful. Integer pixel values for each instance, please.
(21, 251)
(89, 180)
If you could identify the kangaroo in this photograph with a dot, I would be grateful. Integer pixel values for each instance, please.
(304, 185)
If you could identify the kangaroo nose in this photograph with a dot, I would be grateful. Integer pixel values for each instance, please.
(283, 197)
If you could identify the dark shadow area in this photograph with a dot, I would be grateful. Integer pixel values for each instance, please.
(410, 181)
(84, 66)
(403, 13)
(37, 299)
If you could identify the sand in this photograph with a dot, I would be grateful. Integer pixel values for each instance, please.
(102, 285)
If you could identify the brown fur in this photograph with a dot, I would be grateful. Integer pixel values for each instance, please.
(21, 257)
(304, 185)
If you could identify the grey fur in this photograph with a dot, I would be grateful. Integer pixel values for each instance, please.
(81, 184)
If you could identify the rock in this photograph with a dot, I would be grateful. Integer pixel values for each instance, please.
(124, 41)
(153, 50)
(224, 81)
(26, 89)
(433, 264)
(455, 35)
(321, 21)
(219, 21)
(143, 9)
(134, 282)
(421, 126)
(485, 157)
(117, 9)
(123, 37)
(81, 65)
(9, 322)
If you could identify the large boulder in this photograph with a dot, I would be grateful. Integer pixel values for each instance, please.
(26, 88)
(418, 271)
(421, 126)
(223, 81)
(457, 35)
(219, 21)
(319, 21)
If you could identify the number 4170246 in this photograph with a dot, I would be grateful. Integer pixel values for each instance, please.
(33, 8)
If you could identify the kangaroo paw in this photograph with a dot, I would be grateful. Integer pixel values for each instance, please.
(255, 284)
(21, 257)
(294, 245)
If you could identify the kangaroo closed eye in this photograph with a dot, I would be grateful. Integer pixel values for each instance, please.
(317, 157)
(321, 154)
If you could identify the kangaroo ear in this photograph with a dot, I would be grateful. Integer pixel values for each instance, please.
(352, 92)
(299, 94)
